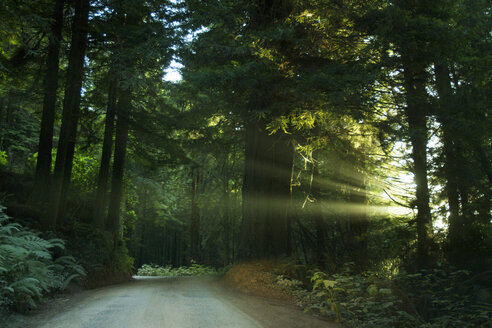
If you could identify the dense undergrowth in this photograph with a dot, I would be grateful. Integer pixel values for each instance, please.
(106, 260)
(194, 269)
(29, 269)
(443, 297)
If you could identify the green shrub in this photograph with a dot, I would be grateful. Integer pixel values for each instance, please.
(105, 260)
(429, 299)
(28, 270)
(3, 158)
(360, 301)
(194, 270)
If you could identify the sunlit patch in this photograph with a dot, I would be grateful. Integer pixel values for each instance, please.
(353, 209)
(440, 224)
(173, 73)
(396, 210)
(342, 209)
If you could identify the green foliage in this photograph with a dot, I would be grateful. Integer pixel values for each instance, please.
(105, 260)
(194, 270)
(28, 269)
(431, 298)
(3, 158)
(84, 171)
(328, 74)
(85, 167)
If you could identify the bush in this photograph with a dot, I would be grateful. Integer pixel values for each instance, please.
(267, 278)
(430, 298)
(194, 270)
(28, 270)
(105, 259)
(3, 158)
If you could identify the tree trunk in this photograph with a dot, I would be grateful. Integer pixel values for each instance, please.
(416, 110)
(103, 178)
(280, 180)
(122, 127)
(358, 222)
(266, 185)
(227, 224)
(443, 84)
(266, 193)
(485, 164)
(248, 241)
(71, 103)
(43, 164)
(317, 214)
(195, 217)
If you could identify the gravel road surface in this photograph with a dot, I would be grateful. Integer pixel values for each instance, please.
(184, 302)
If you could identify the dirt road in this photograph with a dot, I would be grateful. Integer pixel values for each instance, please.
(185, 302)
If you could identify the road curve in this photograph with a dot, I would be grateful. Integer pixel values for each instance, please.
(185, 302)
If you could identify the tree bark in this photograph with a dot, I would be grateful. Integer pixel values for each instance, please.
(443, 84)
(227, 224)
(280, 179)
(416, 111)
(195, 217)
(71, 103)
(264, 228)
(266, 191)
(317, 214)
(43, 164)
(122, 128)
(358, 222)
(125, 69)
(103, 177)
(249, 235)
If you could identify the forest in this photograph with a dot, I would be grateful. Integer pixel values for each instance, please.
(349, 142)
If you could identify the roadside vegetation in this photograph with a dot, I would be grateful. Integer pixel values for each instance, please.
(350, 139)
(194, 269)
(29, 268)
(444, 297)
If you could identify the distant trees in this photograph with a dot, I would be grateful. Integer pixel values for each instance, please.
(112, 39)
(297, 120)
(282, 66)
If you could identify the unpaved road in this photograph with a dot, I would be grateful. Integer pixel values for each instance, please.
(185, 302)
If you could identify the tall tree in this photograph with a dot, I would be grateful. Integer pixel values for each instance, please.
(70, 115)
(105, 165)
(416, 115)
(451, 155)
(195, 216)
(141, 27)
(408, 36)
(268, 159)
(43, 164)
(123, 113)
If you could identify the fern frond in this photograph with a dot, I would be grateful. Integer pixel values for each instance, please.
(27, 267)
(57, 243)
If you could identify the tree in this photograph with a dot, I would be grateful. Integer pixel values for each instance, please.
(141, 27)
(104, 169)
(195, 217)
(70, 115)
(43, 164)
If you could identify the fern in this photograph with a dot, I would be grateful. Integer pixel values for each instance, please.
(27, 268)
